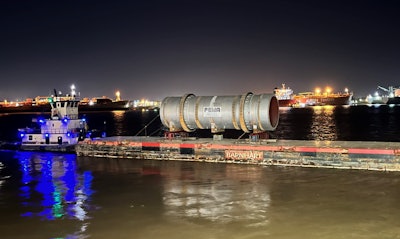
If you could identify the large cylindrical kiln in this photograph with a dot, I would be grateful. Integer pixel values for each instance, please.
(248, 112)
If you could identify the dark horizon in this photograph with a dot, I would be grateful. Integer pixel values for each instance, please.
(155, 49)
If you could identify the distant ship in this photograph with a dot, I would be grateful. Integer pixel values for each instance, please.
(375, 99)
(286, 97)
(96, 104)
(104, 103)
(25, 108)
(311, 98)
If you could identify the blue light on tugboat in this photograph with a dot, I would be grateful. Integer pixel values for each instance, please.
(68, 134)
(83, 119)
(41, 121)
(65, 120)
(22, 135)
(47, 135)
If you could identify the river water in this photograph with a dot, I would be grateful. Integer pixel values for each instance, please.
(48, 195)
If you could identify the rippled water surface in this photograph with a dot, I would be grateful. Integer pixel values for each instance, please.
(46, 195)
(352, 123)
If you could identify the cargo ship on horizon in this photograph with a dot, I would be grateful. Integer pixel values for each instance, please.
(42, 104)
(287, 98)
(100, 105)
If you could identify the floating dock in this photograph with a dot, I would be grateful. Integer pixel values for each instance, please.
(382, 156)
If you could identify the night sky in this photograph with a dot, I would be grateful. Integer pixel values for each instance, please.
(153, 49)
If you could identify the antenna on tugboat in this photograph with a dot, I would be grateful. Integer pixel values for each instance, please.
(73, 93)
(55, 92)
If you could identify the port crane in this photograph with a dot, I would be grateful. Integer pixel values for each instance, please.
(390, 90)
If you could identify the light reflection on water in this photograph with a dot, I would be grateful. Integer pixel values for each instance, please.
(323, 125)
(118, 117)
(63, 191)
(219, 201)
(351, 123)
(52, 196)
(51, 190)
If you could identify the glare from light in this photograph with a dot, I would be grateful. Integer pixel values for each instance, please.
(328, 90)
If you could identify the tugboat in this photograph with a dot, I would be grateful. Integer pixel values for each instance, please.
(61, 132)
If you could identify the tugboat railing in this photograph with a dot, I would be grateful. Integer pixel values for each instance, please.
(55, 131)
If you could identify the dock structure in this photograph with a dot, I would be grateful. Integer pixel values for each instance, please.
(382, 156)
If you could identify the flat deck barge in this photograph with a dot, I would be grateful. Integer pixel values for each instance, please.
(383, 156)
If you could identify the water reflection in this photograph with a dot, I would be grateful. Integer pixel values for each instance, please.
(323, 125)
(236, 196)
(294, 123)
(2, 177)
(352, 123)
(169, 199)
(118, 117)
(51, 187)
(120, 123)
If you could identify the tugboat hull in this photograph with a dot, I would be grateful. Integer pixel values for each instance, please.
(48, 148)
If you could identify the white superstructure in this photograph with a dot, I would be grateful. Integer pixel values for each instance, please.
(283, 93)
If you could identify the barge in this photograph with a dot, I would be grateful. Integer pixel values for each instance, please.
(383, 156)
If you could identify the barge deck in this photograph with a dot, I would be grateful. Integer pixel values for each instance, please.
(365, 155)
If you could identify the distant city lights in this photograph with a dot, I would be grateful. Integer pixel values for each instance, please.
(328, 90)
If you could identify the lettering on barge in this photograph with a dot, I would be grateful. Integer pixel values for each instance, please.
(243, 154)
(212, 112)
